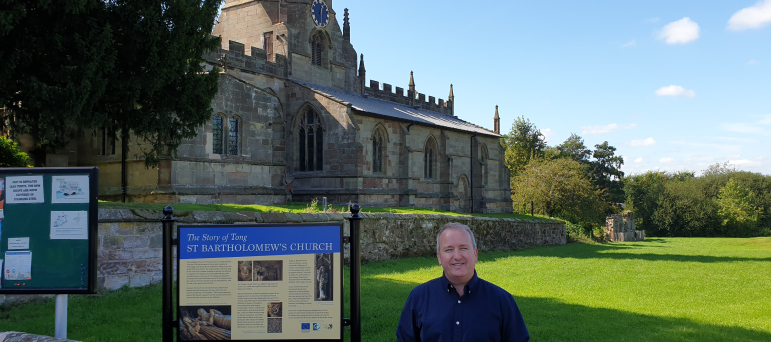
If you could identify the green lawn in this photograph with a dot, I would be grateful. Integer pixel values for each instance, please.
(661, 289)
(296, 207)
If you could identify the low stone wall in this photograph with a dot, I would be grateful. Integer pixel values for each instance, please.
(130, 241)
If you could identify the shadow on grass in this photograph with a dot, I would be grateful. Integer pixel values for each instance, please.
(552, 320)
(618, 252)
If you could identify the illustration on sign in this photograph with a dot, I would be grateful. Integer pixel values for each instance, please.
(69, 189)
(72, 225)
(274, 283)
(24, 189)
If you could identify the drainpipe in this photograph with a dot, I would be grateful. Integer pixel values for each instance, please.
(123, 152)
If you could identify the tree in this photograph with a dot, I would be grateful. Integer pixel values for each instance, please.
(10, 155)
(55, 56)
(737, 210)
(574, 148)
(121, 65)
(521, 144)
(606, 171)
(560, 188)
(642, 195)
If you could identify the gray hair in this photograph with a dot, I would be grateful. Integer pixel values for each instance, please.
(456, 225)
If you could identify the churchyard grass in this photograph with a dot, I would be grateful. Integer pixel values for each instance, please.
(295, 207)
(661, 289)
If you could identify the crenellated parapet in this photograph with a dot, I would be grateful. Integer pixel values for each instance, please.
(258, 62)
(397, 94)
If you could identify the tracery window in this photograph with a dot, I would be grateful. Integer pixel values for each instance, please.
(233, 127)
(311, 142)
(378, 147)
(317, 48)
(429, 159)
(217, 134)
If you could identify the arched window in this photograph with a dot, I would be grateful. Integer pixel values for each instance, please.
(218, 128)
(483, 161)
(429, 159)
(378, 150)
(233, 127)
(311, 142)
(317, 48)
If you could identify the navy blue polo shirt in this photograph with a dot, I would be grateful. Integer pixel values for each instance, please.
(435, 312)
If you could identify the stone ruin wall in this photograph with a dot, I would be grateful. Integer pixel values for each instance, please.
(130, 241)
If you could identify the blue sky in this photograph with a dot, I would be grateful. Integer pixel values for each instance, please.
(673, 85)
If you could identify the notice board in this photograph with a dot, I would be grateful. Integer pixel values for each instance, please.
(48, 230)
(260, 282)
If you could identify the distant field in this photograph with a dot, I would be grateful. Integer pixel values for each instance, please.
(661, 289)
(297, 207)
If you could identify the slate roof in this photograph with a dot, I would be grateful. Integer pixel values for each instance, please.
(398, 111)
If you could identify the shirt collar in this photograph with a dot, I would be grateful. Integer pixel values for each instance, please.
(469, 288)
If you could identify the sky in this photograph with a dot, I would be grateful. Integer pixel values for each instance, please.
(673, 85)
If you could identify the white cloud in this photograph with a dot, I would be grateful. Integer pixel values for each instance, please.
(680, 32)
(645, 142)
(666, 160)
(752, 62)
(675, 90)
(630, 44)
(652, 20)
(605, 129)
(766, 120)
(751, 17)
(747, 162)
(639, 160)
(741, 127)
(734, 156)
(548, 133)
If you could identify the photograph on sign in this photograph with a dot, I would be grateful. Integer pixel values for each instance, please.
(18, 265)
(72, 225)
(69, 189)
(260, 283)
(24, 189)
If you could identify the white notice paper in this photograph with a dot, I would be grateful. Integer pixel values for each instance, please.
(18, 265)
(18, 243)
(69, 189)
(69, 225)
(24, 189)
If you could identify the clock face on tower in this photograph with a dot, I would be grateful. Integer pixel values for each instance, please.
(320, 13)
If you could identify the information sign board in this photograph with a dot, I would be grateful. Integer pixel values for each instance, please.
(260, 282)
(48, 230)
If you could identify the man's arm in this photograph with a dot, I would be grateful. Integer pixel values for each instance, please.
(514, 328)
(408, 329)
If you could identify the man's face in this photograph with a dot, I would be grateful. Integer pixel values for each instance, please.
(457, 255)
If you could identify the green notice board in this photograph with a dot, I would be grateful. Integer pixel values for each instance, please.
(48, 230)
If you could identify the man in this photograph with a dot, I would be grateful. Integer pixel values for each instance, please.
(459, 306)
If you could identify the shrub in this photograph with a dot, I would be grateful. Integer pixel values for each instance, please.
(737, 210)
(10, 155)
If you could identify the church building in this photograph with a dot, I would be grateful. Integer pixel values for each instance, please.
(296, 119)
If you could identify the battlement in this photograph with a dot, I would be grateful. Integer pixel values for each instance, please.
(235, 58)
(416, 100)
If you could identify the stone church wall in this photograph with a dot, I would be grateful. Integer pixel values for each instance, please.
(130, 241)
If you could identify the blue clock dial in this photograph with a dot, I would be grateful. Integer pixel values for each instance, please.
(320, 13)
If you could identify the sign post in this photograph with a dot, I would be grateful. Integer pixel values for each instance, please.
(48, 233)
(258, 282)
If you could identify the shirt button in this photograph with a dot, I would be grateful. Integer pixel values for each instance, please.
(457, 322)
(458, 301)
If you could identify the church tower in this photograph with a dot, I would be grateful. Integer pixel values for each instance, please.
(307, 32)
